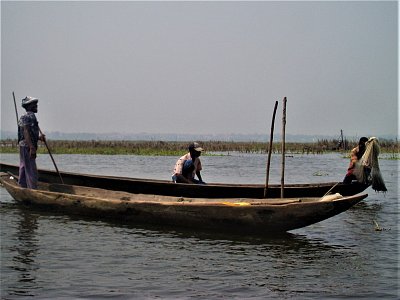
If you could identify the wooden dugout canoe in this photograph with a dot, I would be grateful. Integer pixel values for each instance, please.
(214, 190)
(240, 215)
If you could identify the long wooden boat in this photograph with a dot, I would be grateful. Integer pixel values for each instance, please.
(239, 215)
(167, 188)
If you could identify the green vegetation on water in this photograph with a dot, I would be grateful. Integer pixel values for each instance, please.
(162, 148)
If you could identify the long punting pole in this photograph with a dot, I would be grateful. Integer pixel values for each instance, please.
(51, 156)
(283, 148)
(45, 142)
(271, 138)
(16, 110)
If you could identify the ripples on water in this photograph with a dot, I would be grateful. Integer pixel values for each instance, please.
(49, 255)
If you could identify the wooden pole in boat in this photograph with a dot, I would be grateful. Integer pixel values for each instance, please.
(51, 156)
(271, 138)
(283, 148)
(16, 110)
(45, 142)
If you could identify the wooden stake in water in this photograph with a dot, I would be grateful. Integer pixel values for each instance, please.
(283, 148)
(271, 138)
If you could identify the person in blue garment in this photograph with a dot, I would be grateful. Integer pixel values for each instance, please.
(28, 137)
(188, 166)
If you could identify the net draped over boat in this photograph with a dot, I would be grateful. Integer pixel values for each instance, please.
(367, 168)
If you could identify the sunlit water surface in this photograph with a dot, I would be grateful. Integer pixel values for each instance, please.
(53, 256)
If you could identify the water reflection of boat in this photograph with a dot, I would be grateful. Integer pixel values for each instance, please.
(167, 188)
(240, 215)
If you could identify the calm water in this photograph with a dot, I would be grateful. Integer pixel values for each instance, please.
(54, 256)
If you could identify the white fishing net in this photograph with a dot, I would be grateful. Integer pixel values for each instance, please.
(367, 168)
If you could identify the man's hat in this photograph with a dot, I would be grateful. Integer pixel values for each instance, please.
(195, 146)
(28, 100)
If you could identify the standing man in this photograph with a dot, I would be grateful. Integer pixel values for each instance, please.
(28, 137)
(188, 166)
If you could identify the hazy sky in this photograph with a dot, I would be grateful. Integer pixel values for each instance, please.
(202, 67)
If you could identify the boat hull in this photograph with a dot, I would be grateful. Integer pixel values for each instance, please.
(239, 215)
(167, 188)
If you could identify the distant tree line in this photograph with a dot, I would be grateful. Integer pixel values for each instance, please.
(177, 148)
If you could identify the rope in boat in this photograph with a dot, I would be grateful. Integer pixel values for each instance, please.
(330, 189)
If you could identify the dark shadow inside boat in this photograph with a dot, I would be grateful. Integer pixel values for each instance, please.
(58, 188)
